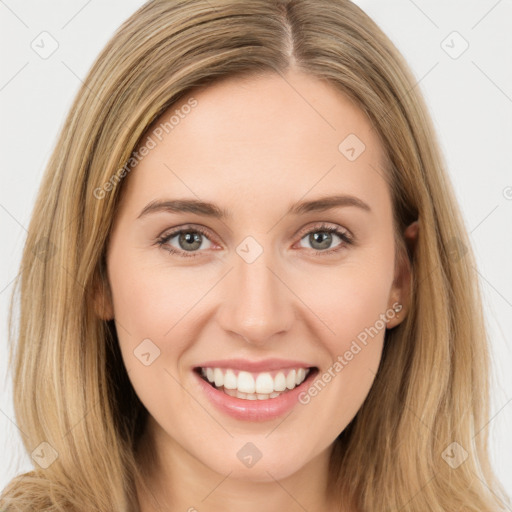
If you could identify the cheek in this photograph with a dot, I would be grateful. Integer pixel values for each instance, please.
(358, 306)
(152, 315)
(152, 307)
(353, 306)
(353, 300)
(152, 302)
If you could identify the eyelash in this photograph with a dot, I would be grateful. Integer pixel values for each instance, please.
(164, 239)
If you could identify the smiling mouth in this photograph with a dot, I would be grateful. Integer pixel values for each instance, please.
(254, 385)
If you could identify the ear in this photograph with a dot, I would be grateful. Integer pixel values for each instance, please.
(400, 295)
(102, 296)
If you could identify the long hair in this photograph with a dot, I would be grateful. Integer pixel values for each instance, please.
(429, 403)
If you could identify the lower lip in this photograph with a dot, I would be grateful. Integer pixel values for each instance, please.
(255, 410)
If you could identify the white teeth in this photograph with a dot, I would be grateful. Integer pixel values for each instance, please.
(246, 383)
(250, 396)
(264, 383)
(280, 382)
(301, 375)
(260, 386)
(290, 380)
(218, 377)
(230, 380)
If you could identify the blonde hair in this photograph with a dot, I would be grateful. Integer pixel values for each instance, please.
(70, 386)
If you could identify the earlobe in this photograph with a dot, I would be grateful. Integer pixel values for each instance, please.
(399, 302)
(395, 314)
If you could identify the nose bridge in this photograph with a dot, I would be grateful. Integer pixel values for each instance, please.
(257, 304)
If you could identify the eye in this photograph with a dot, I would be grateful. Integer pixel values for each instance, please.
(189, 240)
(321, 237)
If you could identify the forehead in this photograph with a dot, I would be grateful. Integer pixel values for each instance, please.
(265, 137)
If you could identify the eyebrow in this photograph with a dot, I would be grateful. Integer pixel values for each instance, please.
(212, 210)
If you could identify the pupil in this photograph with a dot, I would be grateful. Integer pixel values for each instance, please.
(191, 238)
(317, 237)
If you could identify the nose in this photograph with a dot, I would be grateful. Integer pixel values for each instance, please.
(257, 304)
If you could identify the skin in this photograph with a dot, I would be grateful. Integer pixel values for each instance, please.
(254, 147)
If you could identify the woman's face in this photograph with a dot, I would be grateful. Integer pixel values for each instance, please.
(255, 294)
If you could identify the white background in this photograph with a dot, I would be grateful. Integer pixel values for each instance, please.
(470, 98)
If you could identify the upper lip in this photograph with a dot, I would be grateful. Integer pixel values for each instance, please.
(255, 366)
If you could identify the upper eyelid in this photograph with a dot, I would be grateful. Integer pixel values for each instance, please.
(324, 225)
(171, 233)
